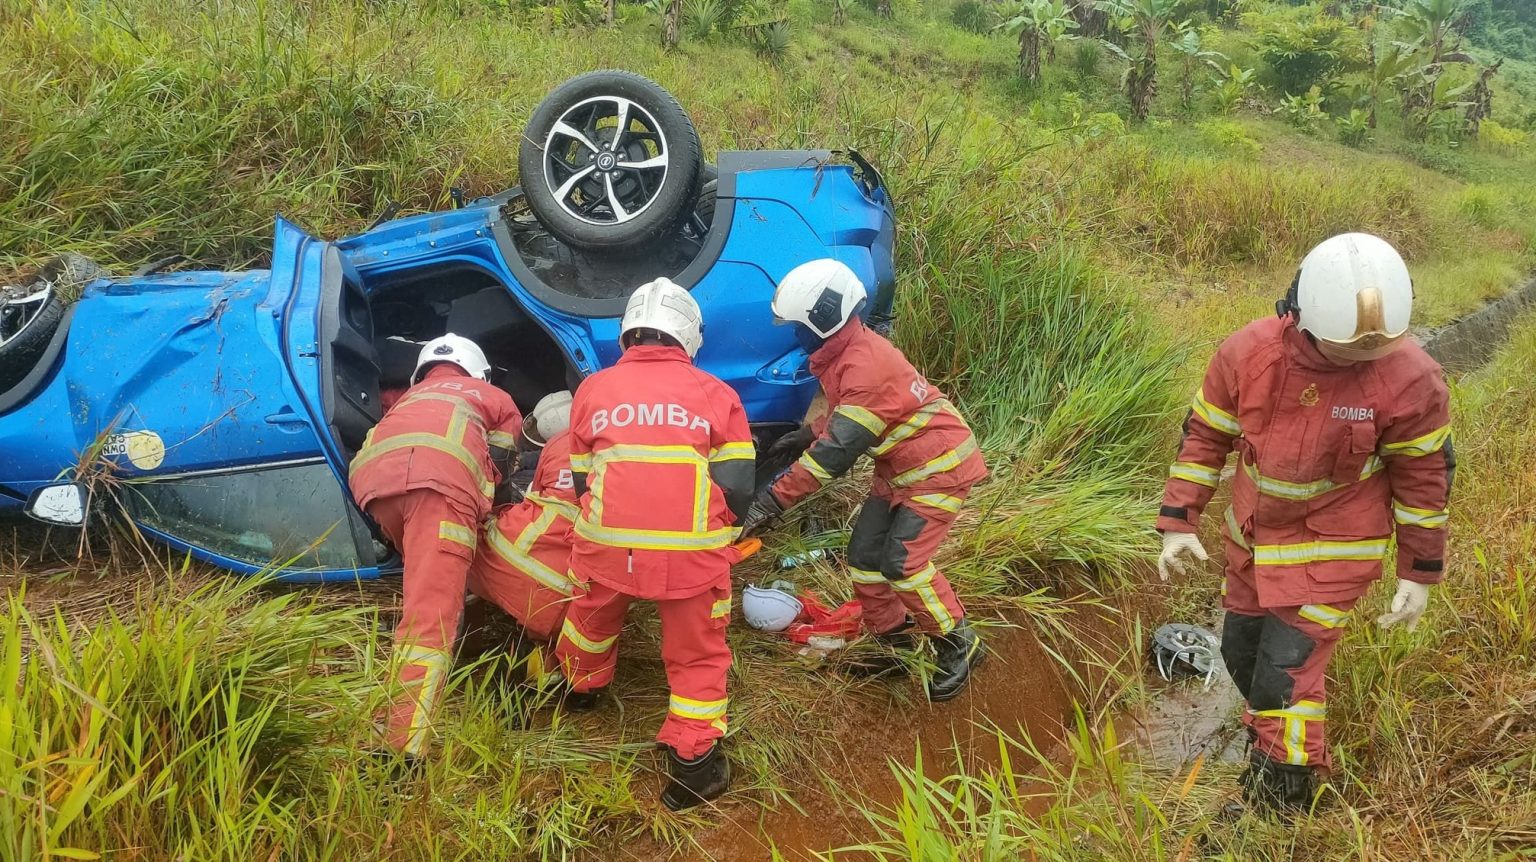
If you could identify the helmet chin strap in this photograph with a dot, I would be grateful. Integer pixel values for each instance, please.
(809, 341)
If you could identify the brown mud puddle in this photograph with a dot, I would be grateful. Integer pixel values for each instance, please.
(1019, 689)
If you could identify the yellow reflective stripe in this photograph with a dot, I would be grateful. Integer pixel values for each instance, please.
(703, 710)
(741, 451)
(457, 533)
(914, 423)
(862, 416)
(582, 642)
(1214, 416)
(721, 608)
(1235, 532)
(1312, 552)
(1324, 615)
(945, 502)
(864, 576)
(942, 464)
(570, 510)
(1200, 474)
(1373, 465)
(1306, 490)
(435, 663)
(718, 724)
(815, 469)
(424, 440)
(1416, 517)
(921, 583)
(644, 454)
(701, 486)
(654, 540)
(1427, 444)
(1296, 718)
(502, 439)
(515, 553)
(581, 462)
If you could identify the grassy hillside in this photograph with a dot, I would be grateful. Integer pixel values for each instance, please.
(1063, 266)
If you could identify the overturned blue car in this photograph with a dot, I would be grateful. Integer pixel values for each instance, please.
(226, 405)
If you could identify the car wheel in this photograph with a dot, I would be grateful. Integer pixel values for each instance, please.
(30, 314)
(610, 162)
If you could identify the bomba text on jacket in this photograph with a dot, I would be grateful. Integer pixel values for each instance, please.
(625, 414)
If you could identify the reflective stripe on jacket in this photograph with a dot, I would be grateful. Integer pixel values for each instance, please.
(668, 462)
(1332, 460)
(438, 436)
(533, 537)
(880, 404)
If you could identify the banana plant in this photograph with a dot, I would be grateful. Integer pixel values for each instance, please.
(1188, 44)
(1143, 23)
(1040, 25)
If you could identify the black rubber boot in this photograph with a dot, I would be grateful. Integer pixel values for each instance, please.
(889, 656)
(582, 701)
(696, 781)
(956, 654)
(1278, 789)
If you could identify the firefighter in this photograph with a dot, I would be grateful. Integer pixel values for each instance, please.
(1341, 425)
(926, 462)
(664, 465)
(523, 561)
(426, 475)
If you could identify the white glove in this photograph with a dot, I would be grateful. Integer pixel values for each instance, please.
(1175, 545)
(1407, 606)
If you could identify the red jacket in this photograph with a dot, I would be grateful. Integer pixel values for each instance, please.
(533, 537)
(665, 453)
(881, 404)
(438, 436)
(1330, 460)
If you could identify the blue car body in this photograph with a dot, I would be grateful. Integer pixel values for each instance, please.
(229, 404)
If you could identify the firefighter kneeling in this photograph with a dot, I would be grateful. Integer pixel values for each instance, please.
(663, 461)
(523, 561)
(1342, 429)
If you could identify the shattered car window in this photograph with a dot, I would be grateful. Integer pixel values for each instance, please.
(266, 516)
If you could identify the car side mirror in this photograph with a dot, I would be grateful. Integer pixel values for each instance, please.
(62, 505)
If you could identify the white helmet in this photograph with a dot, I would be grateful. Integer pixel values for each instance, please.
(666, 307)
(456, 349)
(550, 416)
(769, 610)
(822, 295)
(1354, 293)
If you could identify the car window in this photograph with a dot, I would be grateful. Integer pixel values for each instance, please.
(269, 516)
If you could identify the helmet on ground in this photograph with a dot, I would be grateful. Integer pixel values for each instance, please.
(455, 349)
(819, 297)
(1354, 294)
(1180, 650)
(769, 610)
(664, 306)
(550, 416)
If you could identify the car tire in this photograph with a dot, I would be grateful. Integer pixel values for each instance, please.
(601, 195)
(27, 328)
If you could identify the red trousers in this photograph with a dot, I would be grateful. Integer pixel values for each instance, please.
(522, 567)
(1278, 657)
(890, 559)
(436, 536)
(693, 649)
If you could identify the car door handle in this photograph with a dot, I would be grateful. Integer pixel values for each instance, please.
(288, 420)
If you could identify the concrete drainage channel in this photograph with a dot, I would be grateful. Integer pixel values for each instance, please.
(1190, 719)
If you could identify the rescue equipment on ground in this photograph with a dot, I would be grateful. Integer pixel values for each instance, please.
(1180, 651)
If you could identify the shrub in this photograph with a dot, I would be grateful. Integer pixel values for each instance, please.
(1303, 111)
(1228, 135)
(1498, 137)
(1354, 128)
(1305, 48)
(972, 16)
(1234, 86)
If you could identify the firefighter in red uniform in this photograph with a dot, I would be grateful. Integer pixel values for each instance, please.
(1341, 425)
(522, 564)
(664, 462)
(426, 475)
(926, 462)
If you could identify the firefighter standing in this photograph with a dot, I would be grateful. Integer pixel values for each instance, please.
(663, 461)
(426, 475)
(926, 462)
(522, 564)
(1342, 430)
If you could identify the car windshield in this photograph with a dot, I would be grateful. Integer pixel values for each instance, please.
(289, 517)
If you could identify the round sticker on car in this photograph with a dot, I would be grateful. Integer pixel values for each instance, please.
(145, 449)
